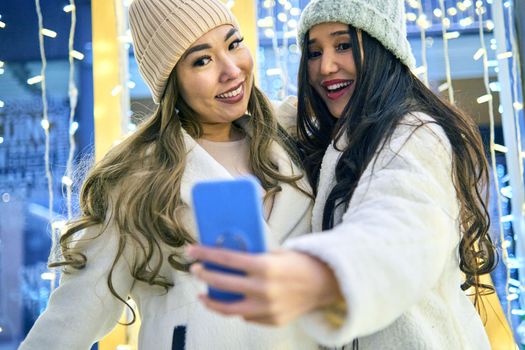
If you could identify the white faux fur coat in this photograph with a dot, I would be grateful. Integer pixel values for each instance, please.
(82, 309)
(395, 250)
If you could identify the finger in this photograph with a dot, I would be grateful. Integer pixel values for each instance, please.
(227, 258)
(227, 281)
(249, 310)
(267, 320)
(244, 308)
(283, 317)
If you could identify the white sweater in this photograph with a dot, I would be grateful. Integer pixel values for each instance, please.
(82, 309)
(395, 250)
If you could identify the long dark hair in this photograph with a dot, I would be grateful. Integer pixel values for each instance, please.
(385, 92)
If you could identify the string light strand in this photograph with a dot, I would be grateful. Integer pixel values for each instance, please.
(45, 117)
(73, 100)
(275, 46)
(492, 148)
(515, 59)
(444, 24)
(424, 62)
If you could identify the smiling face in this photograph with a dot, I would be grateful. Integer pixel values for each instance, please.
(215, 77)
(331, 66)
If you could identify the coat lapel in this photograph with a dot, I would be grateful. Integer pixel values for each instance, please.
(290, 206)
(326, 184)
(200, 166)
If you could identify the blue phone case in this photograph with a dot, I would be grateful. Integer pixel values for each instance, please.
(229, 215)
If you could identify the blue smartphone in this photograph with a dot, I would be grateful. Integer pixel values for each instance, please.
(229, 215)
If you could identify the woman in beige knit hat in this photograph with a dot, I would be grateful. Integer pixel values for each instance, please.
(398, 175)
(211, 122)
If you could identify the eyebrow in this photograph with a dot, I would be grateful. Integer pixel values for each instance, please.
(201, 47)
(334, 34)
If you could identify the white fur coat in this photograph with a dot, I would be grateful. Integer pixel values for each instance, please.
(395, 250)
(82, 309)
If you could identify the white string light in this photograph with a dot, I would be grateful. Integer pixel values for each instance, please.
(287, 36)
(45, 122)
(452, 35)
(445, 22)
(493, 148)
(46, 125)
(124, 38)
(73, 100)
(35, 80)
(76, 55)
(500, 148)
(514, 55)
(2, 103)
(424, 69)
(515, 59)
(49, 33)
(276, 50)
(116, 90)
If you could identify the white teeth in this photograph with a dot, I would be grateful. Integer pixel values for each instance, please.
(231, 94)
(338, 86)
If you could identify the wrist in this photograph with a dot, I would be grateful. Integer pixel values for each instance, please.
(327, 292)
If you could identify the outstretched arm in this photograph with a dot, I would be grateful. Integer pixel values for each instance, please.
(391, 248)
(278, 287)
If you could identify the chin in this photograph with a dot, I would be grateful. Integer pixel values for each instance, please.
(234, 115)
(336, 114)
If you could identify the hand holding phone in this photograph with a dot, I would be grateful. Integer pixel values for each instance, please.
(229, 215)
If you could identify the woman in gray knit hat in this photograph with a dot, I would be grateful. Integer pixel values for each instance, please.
(399, 176)
(136, 207)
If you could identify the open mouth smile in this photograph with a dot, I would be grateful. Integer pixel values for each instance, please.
(336, 88)
(233, 95)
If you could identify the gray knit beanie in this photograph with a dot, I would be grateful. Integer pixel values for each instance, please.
(163, 30)
(382, 19)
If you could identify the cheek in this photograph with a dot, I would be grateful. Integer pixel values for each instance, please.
(314, 77)
(185, 82)
(245, 60)
(202, 84)
(312, 71)
(348, 63)
(197, 92)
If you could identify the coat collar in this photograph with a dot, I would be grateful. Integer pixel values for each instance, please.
(290, 206)
(327, 182)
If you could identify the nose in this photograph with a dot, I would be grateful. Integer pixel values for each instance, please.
(328, 64)
(230, 70)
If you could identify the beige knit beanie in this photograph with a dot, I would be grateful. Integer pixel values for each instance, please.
(382, 19)
(163, 30)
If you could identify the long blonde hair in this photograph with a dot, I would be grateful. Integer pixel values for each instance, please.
(139, 183)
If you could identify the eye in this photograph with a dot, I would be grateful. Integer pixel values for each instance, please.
(313, 54)
(235, 44)
(344, 46)
(202, 61)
